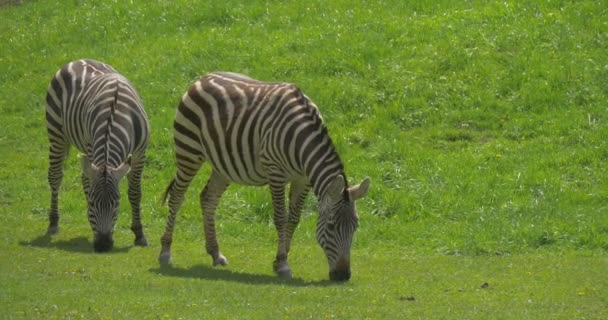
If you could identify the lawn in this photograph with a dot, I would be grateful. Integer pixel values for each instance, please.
(482, 125)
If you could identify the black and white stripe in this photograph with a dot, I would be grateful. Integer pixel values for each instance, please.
(97, 110)
(258, 133)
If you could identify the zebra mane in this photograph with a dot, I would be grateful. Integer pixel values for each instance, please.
(109, 127)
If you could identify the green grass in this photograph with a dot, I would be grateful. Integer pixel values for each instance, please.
(482, 124)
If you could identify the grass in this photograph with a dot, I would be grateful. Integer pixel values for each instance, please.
(481, 123)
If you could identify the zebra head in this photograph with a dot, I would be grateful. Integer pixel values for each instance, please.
(337, 223)
(103, 200)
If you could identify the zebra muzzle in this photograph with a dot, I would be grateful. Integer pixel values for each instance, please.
(103, 242)
(339, 275)
(341, 271)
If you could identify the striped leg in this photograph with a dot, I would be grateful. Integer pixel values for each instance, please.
(210, 197)
(85, 185)
(135, 177)
(297, 194)
(57, 154)
(280, 266)
(177, 189)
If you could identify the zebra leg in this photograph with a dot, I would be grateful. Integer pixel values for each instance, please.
(57, 154)
(297, 194)
(135, 176)
(280, 266)
(84, 178)
(85, 185)
(176, 191)
(210, 197)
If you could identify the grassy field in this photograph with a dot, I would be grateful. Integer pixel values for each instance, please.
(482, 125)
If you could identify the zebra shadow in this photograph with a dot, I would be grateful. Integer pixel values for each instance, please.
(217, 273)
(77, 245)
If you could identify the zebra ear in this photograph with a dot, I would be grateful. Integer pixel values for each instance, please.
(359, 191)
(89, 169)
(122, 169)
(336, 187)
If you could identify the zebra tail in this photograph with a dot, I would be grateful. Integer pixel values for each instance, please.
(167, 192)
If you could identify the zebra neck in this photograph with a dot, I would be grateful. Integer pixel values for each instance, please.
(317, 155)
(322, 172)
(321, 184)
(111, 124)
(105, 146)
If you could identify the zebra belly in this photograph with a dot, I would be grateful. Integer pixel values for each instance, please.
(254, 177)
(235, 159)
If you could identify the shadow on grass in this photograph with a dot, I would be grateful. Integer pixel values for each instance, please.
(78, 244)
(216, 273)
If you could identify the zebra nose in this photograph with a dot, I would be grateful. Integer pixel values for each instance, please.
(339, 275)
(342, 270)
(103, 243)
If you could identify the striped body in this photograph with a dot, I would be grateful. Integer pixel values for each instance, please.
(97, 110)
(258, 133)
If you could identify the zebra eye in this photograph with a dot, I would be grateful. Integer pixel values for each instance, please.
(330, 226)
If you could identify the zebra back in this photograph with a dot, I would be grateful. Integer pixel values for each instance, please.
(97, 110)
(245, 126)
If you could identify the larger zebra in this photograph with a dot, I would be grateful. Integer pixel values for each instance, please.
(258, 133)
(97, 110)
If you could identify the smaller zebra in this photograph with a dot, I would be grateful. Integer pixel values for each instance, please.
(97, 110)
(258, 133)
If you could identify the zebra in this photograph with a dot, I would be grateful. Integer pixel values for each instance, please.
(94, 108)
(258, 133)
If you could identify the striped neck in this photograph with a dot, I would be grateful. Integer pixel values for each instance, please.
(316, 153)
(106, 134)
(321, 163)
(110, 125)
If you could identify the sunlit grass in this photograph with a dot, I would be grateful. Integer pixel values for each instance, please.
(482, 125)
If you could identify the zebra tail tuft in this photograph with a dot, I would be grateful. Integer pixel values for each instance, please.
(167, 191)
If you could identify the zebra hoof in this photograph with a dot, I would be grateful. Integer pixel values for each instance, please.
(164, 258)
(220, 261)
(284, 272)
(142, 242)
(52, 230)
